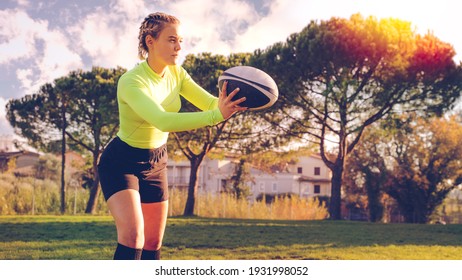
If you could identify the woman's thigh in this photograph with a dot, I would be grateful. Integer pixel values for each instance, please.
(125, 207)
(155, 220)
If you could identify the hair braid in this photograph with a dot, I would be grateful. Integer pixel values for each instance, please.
(152, 25)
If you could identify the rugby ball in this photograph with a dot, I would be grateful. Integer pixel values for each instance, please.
(259, 89)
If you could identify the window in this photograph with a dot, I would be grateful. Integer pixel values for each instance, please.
(262, 187)
(317, 171)
(317, 189)
(299, 170)
(275, 187)
(222, 185)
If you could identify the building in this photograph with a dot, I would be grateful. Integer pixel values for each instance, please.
(21, 162)
(308, 177)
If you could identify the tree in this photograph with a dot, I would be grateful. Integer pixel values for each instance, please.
(337, 77)
(415, 161)
(366, 171)
(427, 166)
(90, 112)
(238, 134)
(48, 106)
(47, 167)
(95, 118)
(239, 179)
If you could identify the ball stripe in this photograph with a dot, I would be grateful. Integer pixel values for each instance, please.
(268, 89)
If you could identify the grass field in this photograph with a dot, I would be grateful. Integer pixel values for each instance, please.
(94, 237)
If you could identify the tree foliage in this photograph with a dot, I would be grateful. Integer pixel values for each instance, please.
(90, 118)
(339, 76)
(416, 162)
(427, 166)
(366, 173)
(47, 167)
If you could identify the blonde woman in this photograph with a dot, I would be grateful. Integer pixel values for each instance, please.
(133, 167)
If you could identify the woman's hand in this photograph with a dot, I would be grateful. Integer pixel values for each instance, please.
(227, 106)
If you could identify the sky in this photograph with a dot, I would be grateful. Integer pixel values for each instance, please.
(44, 40)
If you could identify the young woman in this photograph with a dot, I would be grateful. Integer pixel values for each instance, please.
(133, 167)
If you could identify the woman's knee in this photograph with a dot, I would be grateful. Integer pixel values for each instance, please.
(152, 244)
(131, 237)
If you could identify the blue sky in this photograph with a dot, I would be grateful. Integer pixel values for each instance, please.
(43, 40)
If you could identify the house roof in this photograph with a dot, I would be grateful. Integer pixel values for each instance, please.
(22, 168)
(7, 155)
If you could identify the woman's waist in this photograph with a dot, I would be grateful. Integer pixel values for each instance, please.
(144, 139)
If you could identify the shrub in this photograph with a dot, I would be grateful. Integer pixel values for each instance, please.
(225, 205)
(35, 196)
(27, 195)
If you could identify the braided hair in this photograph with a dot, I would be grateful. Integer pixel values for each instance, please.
(152, 25)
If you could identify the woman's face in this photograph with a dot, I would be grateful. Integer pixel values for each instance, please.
(165, 49)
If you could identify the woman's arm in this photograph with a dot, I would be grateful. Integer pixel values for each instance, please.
(140, 101)
(197, 95)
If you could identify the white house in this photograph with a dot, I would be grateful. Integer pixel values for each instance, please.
(308, 177)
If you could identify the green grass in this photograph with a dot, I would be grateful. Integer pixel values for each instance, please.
(94, 237)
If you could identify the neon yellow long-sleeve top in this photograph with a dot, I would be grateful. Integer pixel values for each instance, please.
(149, 105)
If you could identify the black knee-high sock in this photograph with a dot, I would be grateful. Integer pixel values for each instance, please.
(126, 253)
(150, 255)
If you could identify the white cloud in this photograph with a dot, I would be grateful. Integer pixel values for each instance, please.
(132, 9)
(283, 20)
(23, 3)
(18, 34)
(107, 42)
(211, 26)
(2, 109)
(25, 76)
(109, 37)
(45, 52)
(57, 59)
(5, 127)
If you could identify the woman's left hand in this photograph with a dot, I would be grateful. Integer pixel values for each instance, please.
(227, 106)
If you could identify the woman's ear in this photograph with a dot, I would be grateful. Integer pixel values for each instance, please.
(149, 40)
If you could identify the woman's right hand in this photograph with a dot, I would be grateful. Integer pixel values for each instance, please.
(225, 103)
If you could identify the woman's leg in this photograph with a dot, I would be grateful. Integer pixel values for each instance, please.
(155, 220)
(125, 207)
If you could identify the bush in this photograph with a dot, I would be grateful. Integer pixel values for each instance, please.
(225, 205)
(27, 195)
(34, 196)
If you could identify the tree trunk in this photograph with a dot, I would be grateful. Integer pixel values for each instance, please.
(335, 210)
(193, 184)
(63, 161)
(95, 189)
(375, 206)
(416, 215)
(374, 188)
(237, 178)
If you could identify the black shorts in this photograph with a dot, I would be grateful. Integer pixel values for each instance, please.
(122, 167)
